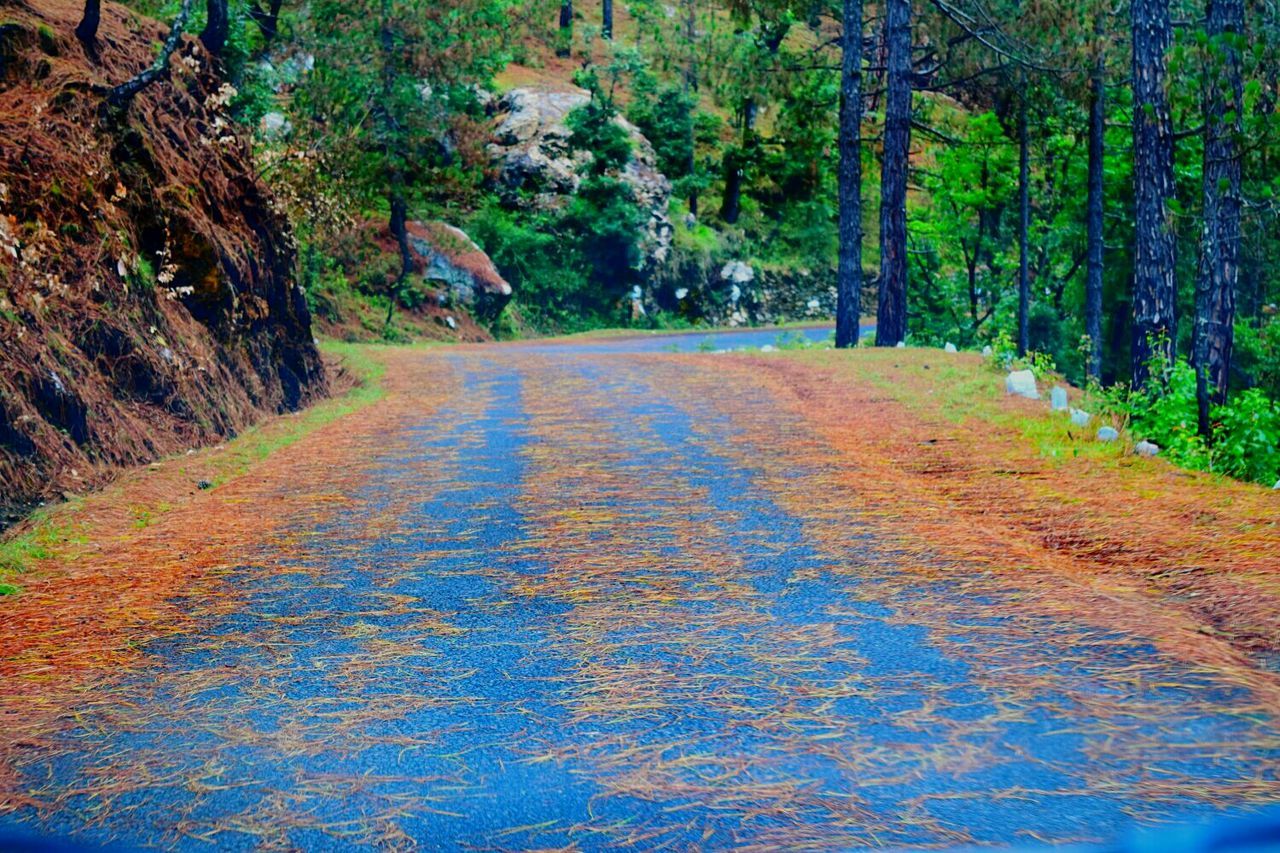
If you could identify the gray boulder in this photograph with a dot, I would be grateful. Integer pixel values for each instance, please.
(1107, 433)
(445, 254)
(1079, 418)
(950, 347)
(1022, 383)
(1058, 399)
(738, 272)
(530, 146)
(1146, 448)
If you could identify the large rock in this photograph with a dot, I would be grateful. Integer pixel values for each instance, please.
(446, 254)
(1022, 383)
(536, 164)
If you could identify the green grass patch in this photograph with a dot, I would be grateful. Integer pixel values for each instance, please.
(50, 530)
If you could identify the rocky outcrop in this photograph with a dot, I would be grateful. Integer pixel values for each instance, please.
(537, 166)
(147, 293)
(446, 255)
(739, 293)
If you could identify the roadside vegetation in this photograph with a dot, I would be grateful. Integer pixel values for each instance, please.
(53, 533)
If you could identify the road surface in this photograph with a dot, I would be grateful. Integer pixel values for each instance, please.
(586, 596)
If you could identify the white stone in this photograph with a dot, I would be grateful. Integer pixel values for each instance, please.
(737, 272)
(451, 323)
(1108, 434)
(275, 125)
(1079, 418)
(987, 351)
(767, 348)
(1058, 399)
(900, 345)
(682, 292)
(1146, 448)
(950, 347)
(1022, 383)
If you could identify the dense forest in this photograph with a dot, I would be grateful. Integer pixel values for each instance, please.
(1081, 186)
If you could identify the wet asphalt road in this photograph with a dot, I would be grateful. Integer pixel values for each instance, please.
(566, 608)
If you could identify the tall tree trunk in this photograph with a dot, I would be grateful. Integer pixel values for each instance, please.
(565, 46)
(691, 89)
(217, 26)
(735, 166)
(1219, 269)
(1095, 207)
(87, 29)
(891, 313)
(606, 19)
(849, 268)
(399, 209)
(1024, 226)
(1155, 293)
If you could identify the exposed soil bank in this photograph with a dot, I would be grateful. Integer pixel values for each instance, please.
(148, 301)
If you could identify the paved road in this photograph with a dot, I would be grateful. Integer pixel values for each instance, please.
(571, 601)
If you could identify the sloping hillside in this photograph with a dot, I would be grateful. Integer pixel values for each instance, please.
(147, 292)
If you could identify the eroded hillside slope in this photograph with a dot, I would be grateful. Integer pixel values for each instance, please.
(148, 301)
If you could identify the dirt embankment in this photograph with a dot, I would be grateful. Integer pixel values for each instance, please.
(148, 301)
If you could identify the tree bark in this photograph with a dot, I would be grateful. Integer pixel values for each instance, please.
(1024, 226)
(606, 19)
(217, 26)
(1095, 208)
(87, 29)
(1155, 321)
(566, 29)
(1219, 269)
(891, 313)
(691, 89)
(122, 96)
(849, 267)
(399, 209)
(735, 166)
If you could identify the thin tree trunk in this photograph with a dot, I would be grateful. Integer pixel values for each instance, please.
(87, 29)
(122, 96)
(1219, 270)
(735, 166)
(399, 209)
(1024, 226)
(1095, 208)
(606, 19)
(217, 26)
(891, 313)
(691, 89)
(268, 20)
(566, 29)
(1155, 322)
(849, 268)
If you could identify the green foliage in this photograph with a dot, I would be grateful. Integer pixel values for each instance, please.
(1004, 352)
(1257, 355)
(596, 129)
(1245, 440)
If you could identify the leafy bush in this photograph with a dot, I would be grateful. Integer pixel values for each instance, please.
(1245, 439)
(596, 130)
(1257, 355)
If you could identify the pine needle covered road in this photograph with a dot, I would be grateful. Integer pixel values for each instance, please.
(594, 595)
